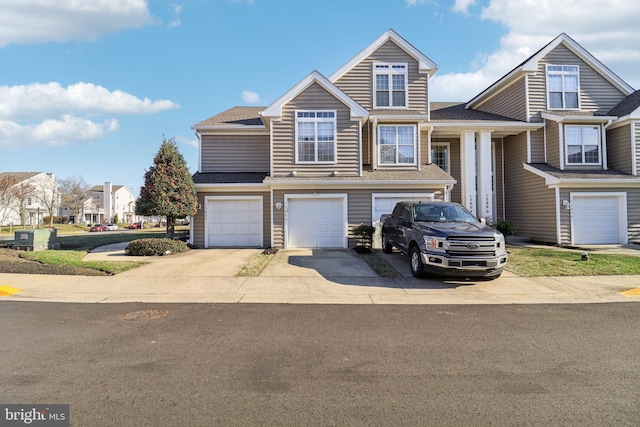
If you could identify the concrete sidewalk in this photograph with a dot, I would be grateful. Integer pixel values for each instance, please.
(302, 277)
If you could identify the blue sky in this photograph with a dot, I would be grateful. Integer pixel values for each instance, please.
(89, 87)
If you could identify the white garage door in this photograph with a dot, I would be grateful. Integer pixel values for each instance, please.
(234, 222)
(384, 204)
(315, 223)
(596, 219)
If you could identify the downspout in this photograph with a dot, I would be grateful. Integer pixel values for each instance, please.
(375, 144)
(199, 138)
(558, 224)
(605, 162)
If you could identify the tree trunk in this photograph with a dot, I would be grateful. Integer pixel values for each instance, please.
(171, 225)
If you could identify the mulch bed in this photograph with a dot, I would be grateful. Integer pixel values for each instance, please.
(11, 262)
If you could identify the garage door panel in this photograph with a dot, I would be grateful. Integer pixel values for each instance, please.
(235, 222)
(596, 220)
(315, 223)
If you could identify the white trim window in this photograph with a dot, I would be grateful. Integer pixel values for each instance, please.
(563, 87)
(440, 155)
(582, 145)
(390, 85)
(316, 136)
(396, 145)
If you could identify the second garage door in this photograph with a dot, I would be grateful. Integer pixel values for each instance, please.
(597, 219)
(318, 222)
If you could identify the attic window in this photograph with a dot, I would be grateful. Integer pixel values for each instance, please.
(563, 83)
(390, 85)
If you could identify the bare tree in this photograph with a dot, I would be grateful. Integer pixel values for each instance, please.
(75, 191)
(7, 198)
(49, 197)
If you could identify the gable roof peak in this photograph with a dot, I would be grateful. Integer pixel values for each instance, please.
(275, 109)
(425, 65)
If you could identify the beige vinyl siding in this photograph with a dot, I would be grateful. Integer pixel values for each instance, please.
(553, 143)
(537, 143)
(359, 206)
(198, 219)
(511, 102)
(367, 143)
(454, 161)
(619, 154)
(235, 153)
(315, 97)
(597, 95)
(530, 205)
(633, 211)
(358, 82)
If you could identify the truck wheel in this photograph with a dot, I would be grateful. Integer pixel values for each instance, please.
(415, 259)
(387, 247)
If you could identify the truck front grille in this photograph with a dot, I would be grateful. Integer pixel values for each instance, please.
(470, 246)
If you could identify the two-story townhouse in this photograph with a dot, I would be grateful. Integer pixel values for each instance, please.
(107, 202)
(337, 151)
(574, 180)
(27, 197)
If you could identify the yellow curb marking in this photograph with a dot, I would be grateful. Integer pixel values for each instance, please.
(7, 291)
(631, 293)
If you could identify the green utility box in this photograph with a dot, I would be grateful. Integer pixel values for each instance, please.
(36, 240)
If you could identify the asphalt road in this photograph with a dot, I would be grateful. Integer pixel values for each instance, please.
(319, 365)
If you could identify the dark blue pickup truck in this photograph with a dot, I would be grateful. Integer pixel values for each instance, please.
(444, 238)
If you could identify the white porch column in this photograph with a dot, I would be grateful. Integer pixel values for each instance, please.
(468, 171)
(485, 177)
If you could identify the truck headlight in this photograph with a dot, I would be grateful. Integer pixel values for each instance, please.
(501, 244)
(434, 244)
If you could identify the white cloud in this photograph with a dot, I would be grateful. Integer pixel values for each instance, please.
(250, 97)
(49, 115)
(53, 132)
(177, 10)
(38, 100)
(191, 142)
(608, 32)
(463, 5)
(38, 21)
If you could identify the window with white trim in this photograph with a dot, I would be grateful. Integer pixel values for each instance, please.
(563, 86)
(390, 85)
(396, 145)
(582, 145)
(440, 155)
(316, 136)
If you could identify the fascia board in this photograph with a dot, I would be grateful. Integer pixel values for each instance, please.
(486, 125)
(577, 118)
(280, 184)
(552, 181)
(407, 118)
(548, 179)
(425, 65)
(231, 187)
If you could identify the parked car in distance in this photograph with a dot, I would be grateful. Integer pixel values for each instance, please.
(112, 227)
(98, 227)
(134, 226)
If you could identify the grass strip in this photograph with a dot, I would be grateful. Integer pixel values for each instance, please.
(74, 258)
(536, 262)
(256, 265)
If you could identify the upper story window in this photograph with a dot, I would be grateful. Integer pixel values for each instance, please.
(440, 155)
(390, 85)
(582, 145)
(315, 136)
(563, 84)
(397, 145)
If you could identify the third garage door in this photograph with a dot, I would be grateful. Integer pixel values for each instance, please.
(317, 222)
(596, 219)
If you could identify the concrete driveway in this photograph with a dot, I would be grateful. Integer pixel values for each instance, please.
(317, 262)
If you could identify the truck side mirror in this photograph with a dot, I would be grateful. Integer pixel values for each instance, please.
(403, 222)
(483, 221)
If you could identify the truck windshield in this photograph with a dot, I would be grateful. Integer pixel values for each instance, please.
(444, 213)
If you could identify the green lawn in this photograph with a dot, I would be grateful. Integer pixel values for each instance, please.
(74, 258)
(532, 262)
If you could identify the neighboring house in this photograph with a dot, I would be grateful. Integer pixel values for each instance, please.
(101, 209)
(552, 146)
(27, 197)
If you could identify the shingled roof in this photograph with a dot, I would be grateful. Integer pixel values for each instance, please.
(628, 105)
(455, 112)
(236, 116)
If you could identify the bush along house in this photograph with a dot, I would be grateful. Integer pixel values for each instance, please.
(553, 146)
